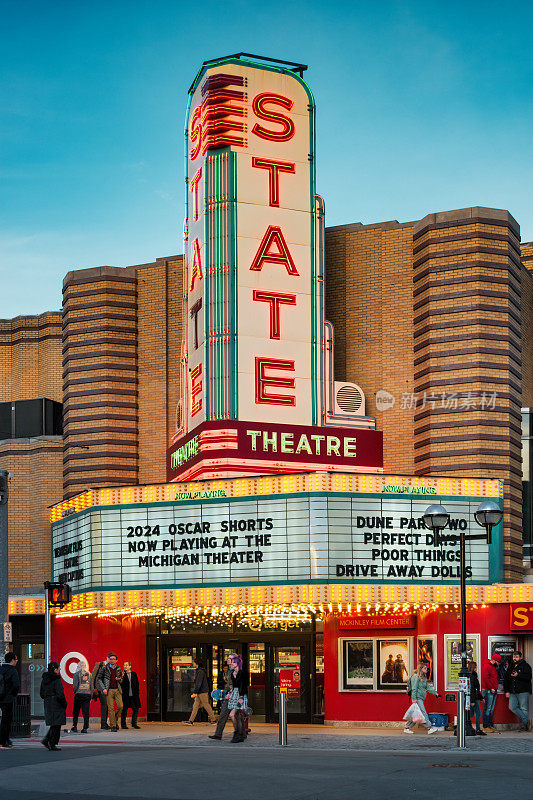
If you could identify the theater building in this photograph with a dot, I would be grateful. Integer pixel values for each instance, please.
(251, 432)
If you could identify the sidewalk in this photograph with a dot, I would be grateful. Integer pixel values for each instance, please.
(306, 737)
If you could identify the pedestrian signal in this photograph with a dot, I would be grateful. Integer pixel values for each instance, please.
(59, 594)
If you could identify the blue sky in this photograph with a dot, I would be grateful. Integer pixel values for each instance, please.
(422, 107)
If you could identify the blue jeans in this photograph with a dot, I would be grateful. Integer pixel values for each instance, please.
(519, 705)
(490, 701)
(475, 709)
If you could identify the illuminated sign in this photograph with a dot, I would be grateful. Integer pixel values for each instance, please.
(256, 343)
(264, 540)
(350, 622)
(521, 617)
(267, 446)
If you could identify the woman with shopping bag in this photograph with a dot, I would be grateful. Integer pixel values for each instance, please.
(419, 687)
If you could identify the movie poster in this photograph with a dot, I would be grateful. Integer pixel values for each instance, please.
(453, 657)
(393, 660)
(358, 663)
(426, 655)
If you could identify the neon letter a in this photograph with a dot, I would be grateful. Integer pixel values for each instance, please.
(273, 249)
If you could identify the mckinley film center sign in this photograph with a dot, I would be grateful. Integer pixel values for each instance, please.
(279, 539)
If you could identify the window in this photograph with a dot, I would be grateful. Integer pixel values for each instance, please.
(375, 664)
(25, 419)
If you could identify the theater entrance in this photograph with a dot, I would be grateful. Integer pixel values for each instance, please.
(270, 666)
(273, 661)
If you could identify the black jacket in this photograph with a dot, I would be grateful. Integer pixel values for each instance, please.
(134, 699)
(240, 681)
(475, 688)
(11, 681)
(55, 702)
(201, 683)
(517, 677)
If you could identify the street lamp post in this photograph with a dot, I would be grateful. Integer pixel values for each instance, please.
(436, 518)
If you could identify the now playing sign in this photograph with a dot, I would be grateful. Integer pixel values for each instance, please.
(299, 538)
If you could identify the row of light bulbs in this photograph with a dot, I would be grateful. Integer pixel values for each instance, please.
(225, 613)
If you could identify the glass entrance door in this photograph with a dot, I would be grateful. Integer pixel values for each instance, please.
(180, 682)
(291, 672)
(258, 683)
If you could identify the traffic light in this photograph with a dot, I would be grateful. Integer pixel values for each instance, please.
(59, 594)
(4, 486)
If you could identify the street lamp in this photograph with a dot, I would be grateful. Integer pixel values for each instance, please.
(436, 518)
(488, 515)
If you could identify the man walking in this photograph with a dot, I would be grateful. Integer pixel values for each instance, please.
(489, 690)
(95, 678)
(201, 694)
(517, 685)
(109, 684)
(9, 689)
(130, 696)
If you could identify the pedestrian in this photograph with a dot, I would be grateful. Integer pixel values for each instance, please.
(200, 693)
(221, 683)
(475, 697)
(98, 694)
(55, 705)
(227, 688)
(489, 690)
(238, 699)
(9, 689)
(419, 687)
(130, 696)
(517, 685)
(109, 683)
(83, 691)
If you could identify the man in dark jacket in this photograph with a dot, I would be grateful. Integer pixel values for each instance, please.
(130, 696)
(200, 693)
(109, 682)
(55, 705)
(95, 676)
(11, 681)
(517, 685)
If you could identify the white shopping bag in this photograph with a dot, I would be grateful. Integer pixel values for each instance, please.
(414, 714)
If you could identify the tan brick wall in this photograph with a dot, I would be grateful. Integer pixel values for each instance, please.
(37, 482)
(100, 381)
(30, 357)
(369, 297)
(160, 310)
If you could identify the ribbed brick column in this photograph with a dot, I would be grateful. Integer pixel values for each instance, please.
(468, 354)
(100, 378)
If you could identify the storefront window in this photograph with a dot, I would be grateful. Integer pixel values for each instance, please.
(319, 674)
(378, 664)
(31, 672)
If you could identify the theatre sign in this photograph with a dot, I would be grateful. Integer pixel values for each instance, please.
(257, 347)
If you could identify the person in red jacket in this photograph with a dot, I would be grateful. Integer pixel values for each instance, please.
(489, 689)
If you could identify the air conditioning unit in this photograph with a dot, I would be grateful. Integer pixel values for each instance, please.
(349, 399)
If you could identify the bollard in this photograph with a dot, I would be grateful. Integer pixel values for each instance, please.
(283, 717)
(461, 719)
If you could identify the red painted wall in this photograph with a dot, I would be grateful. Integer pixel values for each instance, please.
(387, 705)
(94, 638)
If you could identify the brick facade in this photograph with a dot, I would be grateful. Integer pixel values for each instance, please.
(420, 309)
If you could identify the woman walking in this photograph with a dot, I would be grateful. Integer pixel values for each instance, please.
(238, 699)
(83, 689)
(55, 705)
(419, 686)
(475, 697)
